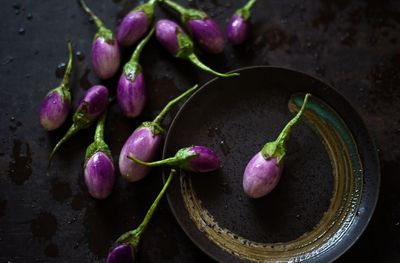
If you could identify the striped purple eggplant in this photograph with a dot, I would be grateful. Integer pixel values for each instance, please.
(105, 53)
(56, 105)
(238, 26)
(264, 170)
(144, 143)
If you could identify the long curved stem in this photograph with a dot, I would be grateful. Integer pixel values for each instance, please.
(172, 161)
(88, 11)
(177, 7)
(71, 132)
(195, 60)
(277, 148)
(133, 236)
(167, 108)
(99, 133)
(138, 50)
(249, 4)
(67, 74)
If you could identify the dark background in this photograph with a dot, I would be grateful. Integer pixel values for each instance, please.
(353, 45)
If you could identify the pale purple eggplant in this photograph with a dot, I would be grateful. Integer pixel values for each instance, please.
(99, 172)
(136, 23)
(201, 26)
(145, 142)
(105, 53)
(238, 26)
(56, 106)
(178, 43)
(90, 107)
(131, 90)
(198, 159)
(128, 243)
(264, 170)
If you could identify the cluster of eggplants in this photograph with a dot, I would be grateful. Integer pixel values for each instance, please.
(90, 107)
(178, 43)
(136, 23)
(127, 244)
(264, 170)
(201, 26)
(56, 104)
(238, 26)
(105, 53)
(198, 159)
(131, 90)
(145, 142)
(99, 167)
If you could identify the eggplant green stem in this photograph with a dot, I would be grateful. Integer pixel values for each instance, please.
(160, 117)
(277, 148)
(177, 7)
(186, 13)
(172, 161)
(99, 133)
(67, 74)
(246, 9)
(195, 60)
(88, 11)
(133, 237)
(71, 132)
(136, 54)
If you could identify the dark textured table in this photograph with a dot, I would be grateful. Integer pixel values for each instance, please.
(354, 45)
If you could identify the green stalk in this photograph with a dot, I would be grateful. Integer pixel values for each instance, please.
(67, 74)
(133, 237)
(246, 9)
(88, 11)
(160, 117)
(172, 161)
(71, 132)
(195, 60)
(138, 50)
(277, 147)
(99, 133)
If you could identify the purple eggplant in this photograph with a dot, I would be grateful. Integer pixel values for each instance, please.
(179, 44)
(144, 143)
(198, 159)
(90, 107)
(264, 170)
(105, 50)
(127, 244)
(57, 103)
(136, 23)
(99, 167)
(238, 26)
(131, 90)
(203, 28)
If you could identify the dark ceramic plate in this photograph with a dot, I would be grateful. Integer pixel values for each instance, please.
(329, 186)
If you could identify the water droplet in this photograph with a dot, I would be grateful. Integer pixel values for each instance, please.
(224, 147)
(29, 16)
(397, 223)
(8, 60)
(298, 216)
(21, 31)
(12, 118)
(60, 70)
(16, 12)
(17, 6)
(80, 55)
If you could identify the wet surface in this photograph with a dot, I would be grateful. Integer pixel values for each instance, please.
(353, 45)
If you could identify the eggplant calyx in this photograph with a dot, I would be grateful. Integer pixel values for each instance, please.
(154, 127)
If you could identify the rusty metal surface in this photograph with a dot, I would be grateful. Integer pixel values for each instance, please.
(353, 45)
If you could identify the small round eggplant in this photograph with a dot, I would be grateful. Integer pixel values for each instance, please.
(127, 244)
(99, 167)
(198, 159)
(131, 90)
(238, 26)
(56, 105)
(264, 170)
(90, 107)
(203, 28)
(123, 253)
(105, 50)
(178, 43)
(136, 23)
(144, 143)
